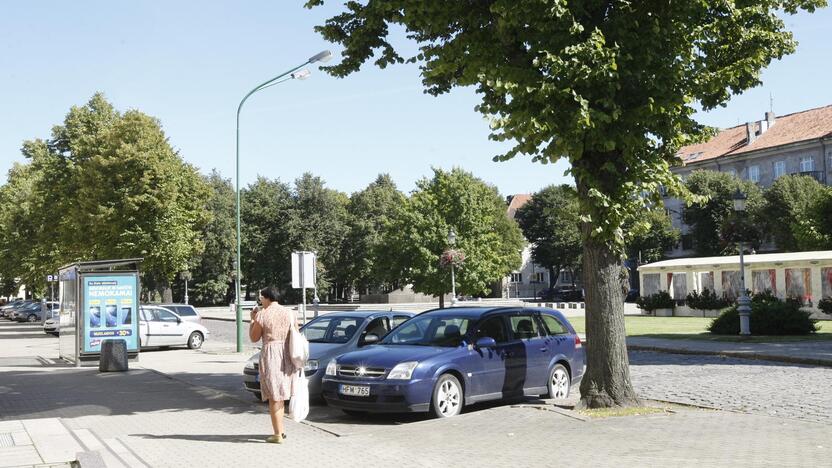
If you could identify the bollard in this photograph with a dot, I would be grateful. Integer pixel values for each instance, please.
(113, 356)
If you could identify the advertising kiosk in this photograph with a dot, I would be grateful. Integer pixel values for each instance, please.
(99, 302)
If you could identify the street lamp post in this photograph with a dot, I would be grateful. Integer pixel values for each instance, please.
(323, 56)
(452, 242)
(743, 307)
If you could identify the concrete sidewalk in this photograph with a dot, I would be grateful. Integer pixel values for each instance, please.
(36, 442)
(817, 353)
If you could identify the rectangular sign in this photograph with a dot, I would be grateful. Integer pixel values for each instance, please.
(303, 270)
(110, 310)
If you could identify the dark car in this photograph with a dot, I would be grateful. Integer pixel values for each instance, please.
(562, 294)
(331, 335)
(444, 359)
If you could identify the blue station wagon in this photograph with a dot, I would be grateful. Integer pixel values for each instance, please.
(444, 359)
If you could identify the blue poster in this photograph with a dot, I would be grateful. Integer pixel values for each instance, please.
(110, 305)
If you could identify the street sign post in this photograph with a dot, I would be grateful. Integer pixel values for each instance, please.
(304, 274)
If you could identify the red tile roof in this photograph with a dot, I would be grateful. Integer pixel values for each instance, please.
(517, 202)
(792, 128)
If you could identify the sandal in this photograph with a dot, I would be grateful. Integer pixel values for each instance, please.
(274, 439)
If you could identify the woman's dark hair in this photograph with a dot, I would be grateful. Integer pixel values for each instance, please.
(270, 293)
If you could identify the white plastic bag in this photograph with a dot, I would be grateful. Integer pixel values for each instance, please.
(299, 403)
(299, 348)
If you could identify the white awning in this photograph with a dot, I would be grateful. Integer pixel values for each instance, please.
(699, 263)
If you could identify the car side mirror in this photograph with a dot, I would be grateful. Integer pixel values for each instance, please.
(178, 320)
(370, 338)
(486, 342)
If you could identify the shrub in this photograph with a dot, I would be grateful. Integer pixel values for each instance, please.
(707, 299)
(825, 305)
(768, 317)
(660, 300)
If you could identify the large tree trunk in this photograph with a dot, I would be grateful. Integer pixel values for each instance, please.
(606, 382)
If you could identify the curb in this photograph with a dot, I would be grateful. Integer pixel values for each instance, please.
(736, 354)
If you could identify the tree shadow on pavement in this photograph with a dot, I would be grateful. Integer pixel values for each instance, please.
(54, 392)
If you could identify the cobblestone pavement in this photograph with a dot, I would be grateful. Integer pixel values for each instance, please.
(776, 389)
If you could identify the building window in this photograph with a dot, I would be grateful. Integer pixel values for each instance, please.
(779, 169)
(807, 164)
(565, 276)
(733, 172)
(754, 174)
(517, 277)
(537, 277)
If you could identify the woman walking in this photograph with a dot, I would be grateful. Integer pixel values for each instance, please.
(272, 323)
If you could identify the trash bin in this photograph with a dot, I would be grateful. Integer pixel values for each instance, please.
(113, 356)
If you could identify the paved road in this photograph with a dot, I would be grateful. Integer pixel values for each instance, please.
(776, 389)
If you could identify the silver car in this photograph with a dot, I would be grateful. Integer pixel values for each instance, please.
(329, 336)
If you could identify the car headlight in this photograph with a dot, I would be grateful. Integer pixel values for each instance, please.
(311, 365)
(403, 370)
(331, 367)
(250, 365)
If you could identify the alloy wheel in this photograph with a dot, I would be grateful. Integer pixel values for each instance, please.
(560, 383)
(448, 398)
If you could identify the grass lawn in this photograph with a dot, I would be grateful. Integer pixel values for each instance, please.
(695, 328)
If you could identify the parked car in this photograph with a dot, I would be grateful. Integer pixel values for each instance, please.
(562, 294)
(52, 324)
(7, 310)
(444, 359)
(159, 326)
(331, 335)
(185, 311)
(32, 312)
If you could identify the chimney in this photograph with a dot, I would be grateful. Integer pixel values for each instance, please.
(770, 119)
(750, 132)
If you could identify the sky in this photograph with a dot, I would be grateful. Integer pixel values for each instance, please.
(189, 63)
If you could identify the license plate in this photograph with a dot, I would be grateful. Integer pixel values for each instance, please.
(355, 390)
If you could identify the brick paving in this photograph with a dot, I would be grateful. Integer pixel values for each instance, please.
(184, 408)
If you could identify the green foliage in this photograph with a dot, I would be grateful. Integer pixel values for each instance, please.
(369, 210)
(612, 87)
(794, 213)
(768, 317)
(106, 185)
(650, 239)
(213, 270)
(416, 235)
(713, 224)
(707, 299)
(825, 305)
(550, 222)
(660, 300)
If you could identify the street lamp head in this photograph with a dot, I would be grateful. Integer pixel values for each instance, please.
(323, 56)
(739, 200)
(451, 236)
(301, 74)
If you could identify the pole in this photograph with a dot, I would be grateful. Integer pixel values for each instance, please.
(743, 302)
(186, 290)
(239, 318)
(453, 286)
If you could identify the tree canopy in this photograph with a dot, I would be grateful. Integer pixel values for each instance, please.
(651, 239)
(417, 235)
(551, 223)
(795, 213)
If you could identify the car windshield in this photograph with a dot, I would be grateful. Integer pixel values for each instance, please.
(331, 329)
(430, 330)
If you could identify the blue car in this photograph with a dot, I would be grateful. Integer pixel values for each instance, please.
(444, 359)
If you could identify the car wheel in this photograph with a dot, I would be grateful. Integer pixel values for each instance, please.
(447, 397)
(559, 382)
(195, 340)
(354, 413)
(32, 318)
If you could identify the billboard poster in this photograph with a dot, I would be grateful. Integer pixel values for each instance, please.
(110, 308)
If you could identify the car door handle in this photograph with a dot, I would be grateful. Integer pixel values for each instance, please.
(544, 349)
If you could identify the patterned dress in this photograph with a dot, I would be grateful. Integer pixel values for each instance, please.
(276, 366)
